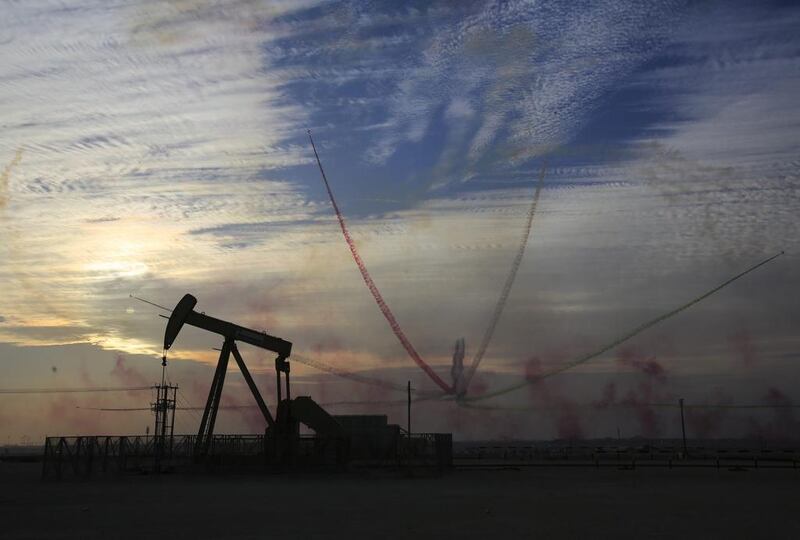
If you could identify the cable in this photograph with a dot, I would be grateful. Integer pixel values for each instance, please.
(363, 379)
(188, 406)
(128, 409)
(71, 390)
(620, 405)
(149, 302)
(386, 403)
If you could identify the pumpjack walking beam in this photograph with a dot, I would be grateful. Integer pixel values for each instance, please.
(184, 314)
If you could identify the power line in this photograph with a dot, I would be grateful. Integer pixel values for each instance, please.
(356, 377)
(128, 409)
(623, 405)
(72, 390)
(149, 302)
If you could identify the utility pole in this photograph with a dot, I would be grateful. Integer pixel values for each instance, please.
(408, 388)
(683, 430)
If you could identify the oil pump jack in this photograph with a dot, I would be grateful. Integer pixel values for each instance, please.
(289, 412)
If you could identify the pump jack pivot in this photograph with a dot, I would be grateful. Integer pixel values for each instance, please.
(184, 314)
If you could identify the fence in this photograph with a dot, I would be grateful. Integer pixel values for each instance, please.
(626, 456)
(90, 456)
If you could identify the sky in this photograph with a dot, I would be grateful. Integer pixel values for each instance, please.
(158, 148)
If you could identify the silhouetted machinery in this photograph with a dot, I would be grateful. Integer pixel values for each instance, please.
(282, 431)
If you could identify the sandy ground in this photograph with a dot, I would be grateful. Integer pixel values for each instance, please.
(543, 503)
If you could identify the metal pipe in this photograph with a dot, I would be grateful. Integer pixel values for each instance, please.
(288, 391)
(278, 377)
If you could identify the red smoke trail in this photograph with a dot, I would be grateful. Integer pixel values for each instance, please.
(126, 374)
(609, 398)
(645, 397)
(647, 366)
(705, 423)
(568, 420)
(63, 413)
(783, 425)
(387, 313)
(250, 414)
(647, 391)
(742, 343)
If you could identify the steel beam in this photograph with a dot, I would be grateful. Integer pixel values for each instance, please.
(206, 430)
(240, 333)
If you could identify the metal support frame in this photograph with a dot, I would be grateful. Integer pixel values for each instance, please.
(253, 388)
(286, 429)
(206, 431)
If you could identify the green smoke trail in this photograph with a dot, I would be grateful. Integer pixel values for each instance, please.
(501, 301)
(618, 341)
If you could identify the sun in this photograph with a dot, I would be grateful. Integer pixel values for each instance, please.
(113, 254)
(115, 269)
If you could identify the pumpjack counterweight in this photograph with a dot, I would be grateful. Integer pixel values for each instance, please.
(184, 314)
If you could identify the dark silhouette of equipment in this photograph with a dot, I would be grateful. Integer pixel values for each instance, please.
(283, 431)
(184, 314)
(338, 441)
(164, 409)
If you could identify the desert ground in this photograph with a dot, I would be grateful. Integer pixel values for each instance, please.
(526, 503)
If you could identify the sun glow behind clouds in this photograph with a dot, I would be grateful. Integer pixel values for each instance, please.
(121, 250)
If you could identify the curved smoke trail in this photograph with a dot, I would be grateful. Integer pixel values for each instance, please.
(501, 301)
(347, 374)
(387, 313)
(618, 341)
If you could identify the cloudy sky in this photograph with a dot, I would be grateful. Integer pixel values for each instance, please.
(159, 147)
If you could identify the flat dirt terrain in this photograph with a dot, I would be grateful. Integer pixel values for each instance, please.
(542, 503)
